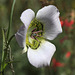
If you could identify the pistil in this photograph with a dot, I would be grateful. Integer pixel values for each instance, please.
(34, 34)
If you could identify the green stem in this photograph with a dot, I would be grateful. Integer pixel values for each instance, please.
(4, 51)
(6, 43)
(10, 21)
(10, 39)
(3, 54)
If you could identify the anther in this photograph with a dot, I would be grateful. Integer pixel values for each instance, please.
(34, 29)
(37, 31)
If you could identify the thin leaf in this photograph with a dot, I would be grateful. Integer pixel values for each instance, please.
(10, 21)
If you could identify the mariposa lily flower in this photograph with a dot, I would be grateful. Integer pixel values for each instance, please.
(33, 34)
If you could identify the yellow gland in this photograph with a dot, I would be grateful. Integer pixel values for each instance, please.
(34, 34)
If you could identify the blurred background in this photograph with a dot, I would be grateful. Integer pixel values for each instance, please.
(63, 61)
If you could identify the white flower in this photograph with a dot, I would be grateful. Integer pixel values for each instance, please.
(31, 36)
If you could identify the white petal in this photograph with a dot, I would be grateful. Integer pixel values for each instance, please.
(27, 16)
(49, 16)
(21, 36)
(41, 56)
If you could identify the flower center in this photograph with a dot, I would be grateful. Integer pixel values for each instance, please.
(34, 34)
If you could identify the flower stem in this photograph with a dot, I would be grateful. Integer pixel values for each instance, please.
(10, 39)
(6, 42)
(3, 54)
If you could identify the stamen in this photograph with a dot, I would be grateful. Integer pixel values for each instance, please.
(32, 37)
(34, 29)
(38, 31)
(36, 39)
